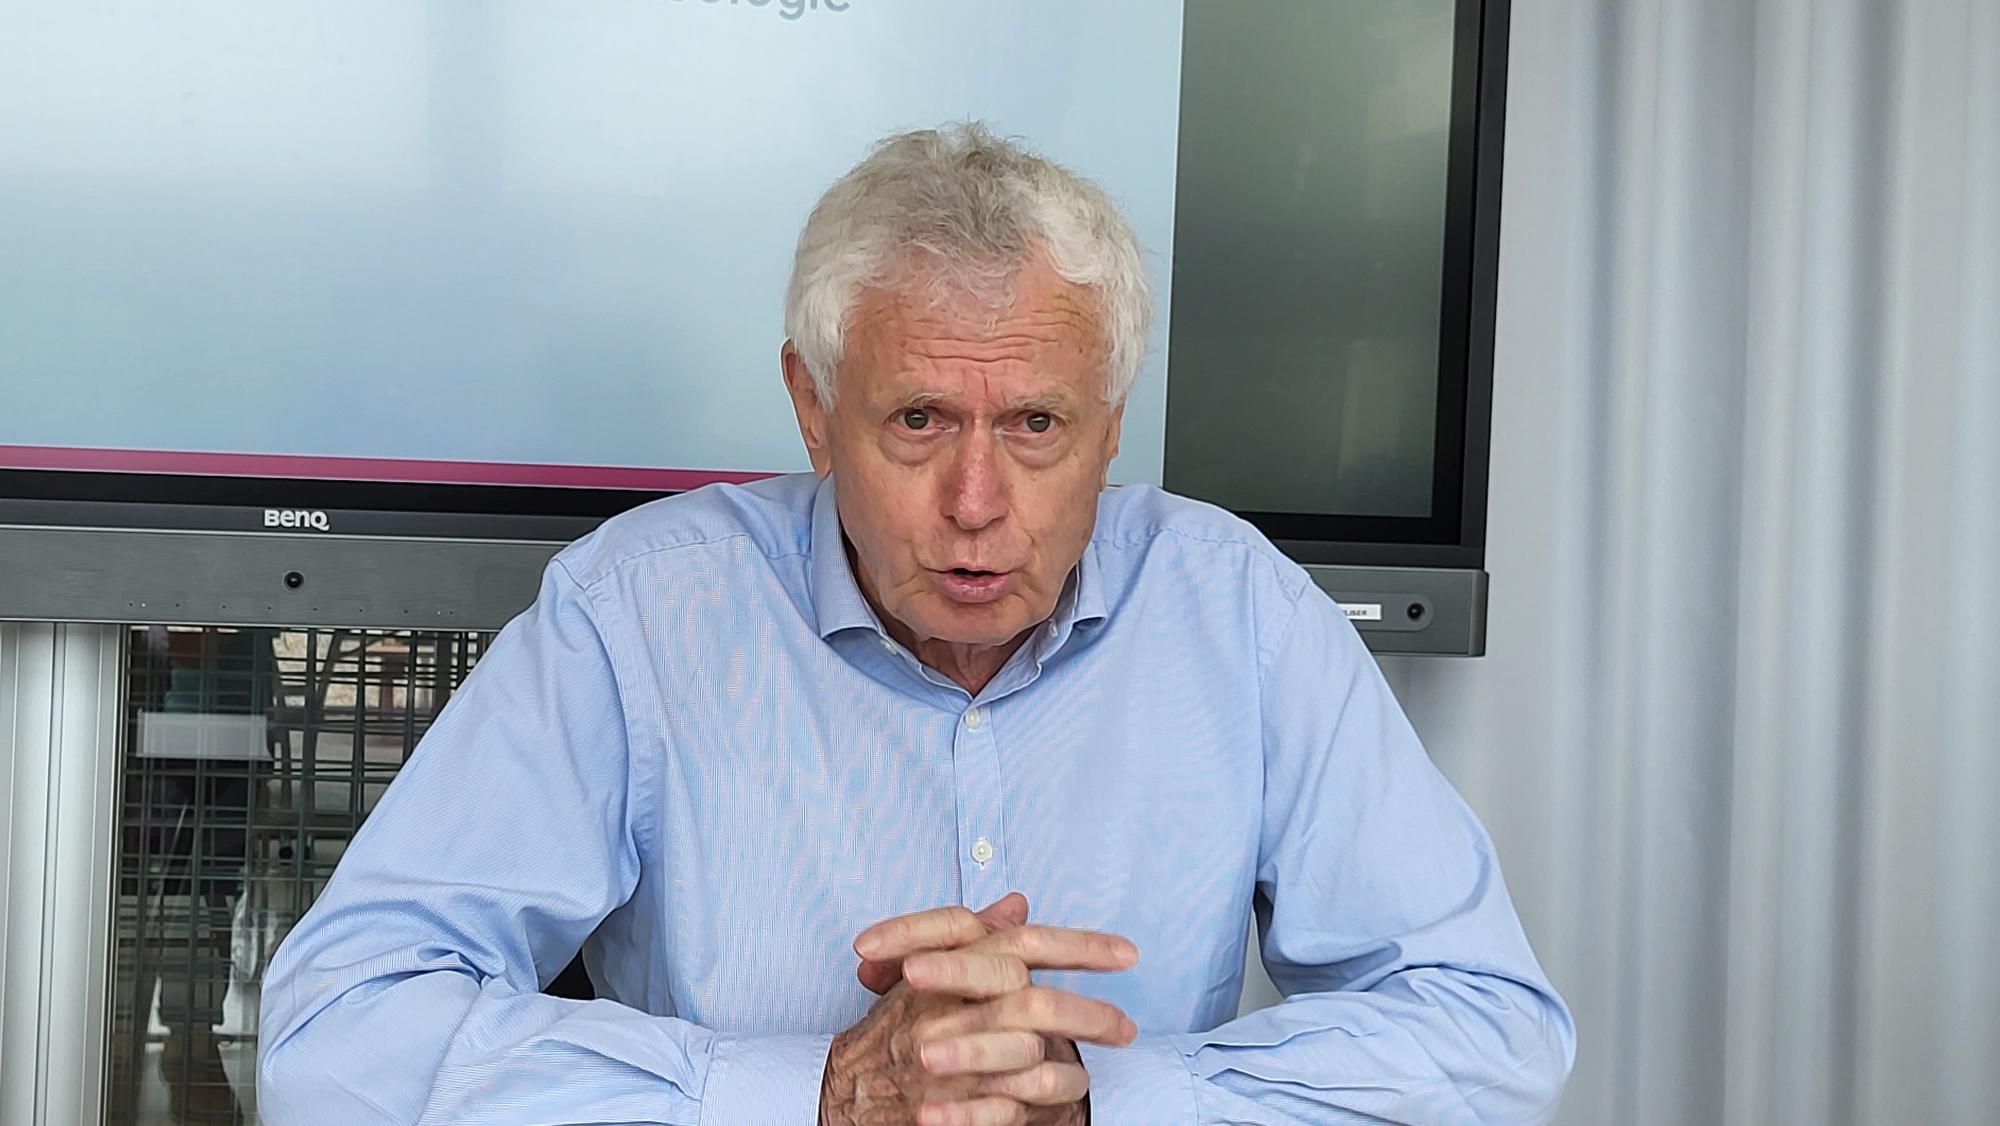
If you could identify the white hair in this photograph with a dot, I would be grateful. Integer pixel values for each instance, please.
(963, 211)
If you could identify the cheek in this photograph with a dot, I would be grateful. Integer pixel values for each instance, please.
(1065, 515)
(886, 513)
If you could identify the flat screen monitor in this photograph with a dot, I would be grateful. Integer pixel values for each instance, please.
(352, 312)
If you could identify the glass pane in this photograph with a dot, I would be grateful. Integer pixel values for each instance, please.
(251, 756)
(1309, 255)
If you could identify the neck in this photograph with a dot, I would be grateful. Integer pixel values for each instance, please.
(971, 667)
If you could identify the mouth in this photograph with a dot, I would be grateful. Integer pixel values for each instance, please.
(972, 586)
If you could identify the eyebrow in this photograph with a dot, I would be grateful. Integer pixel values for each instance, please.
(1039, 403)
(927, 397)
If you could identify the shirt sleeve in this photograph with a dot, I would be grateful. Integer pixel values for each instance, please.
(411, 991)
(1411, 994)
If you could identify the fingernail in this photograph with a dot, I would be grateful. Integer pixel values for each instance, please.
(936, 1056)
(868, 945)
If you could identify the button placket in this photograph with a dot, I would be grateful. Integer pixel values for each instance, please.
(982, 840)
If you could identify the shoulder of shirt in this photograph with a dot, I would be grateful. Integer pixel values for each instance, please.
(774, 515)
(1133, 520)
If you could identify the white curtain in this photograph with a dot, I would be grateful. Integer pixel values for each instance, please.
(1738, 734)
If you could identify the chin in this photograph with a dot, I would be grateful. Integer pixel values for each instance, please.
(974, 625)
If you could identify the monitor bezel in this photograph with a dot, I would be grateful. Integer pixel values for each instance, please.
(1454, 533)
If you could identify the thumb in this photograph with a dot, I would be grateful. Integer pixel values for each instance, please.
(1010, 910)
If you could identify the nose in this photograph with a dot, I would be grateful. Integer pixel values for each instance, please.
(976, 488)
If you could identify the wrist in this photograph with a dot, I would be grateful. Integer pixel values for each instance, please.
(826, 1085)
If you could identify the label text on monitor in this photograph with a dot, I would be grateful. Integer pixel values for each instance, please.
(297, 518)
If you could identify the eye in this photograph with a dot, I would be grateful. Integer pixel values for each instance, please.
(1040, 422)
(917, 418)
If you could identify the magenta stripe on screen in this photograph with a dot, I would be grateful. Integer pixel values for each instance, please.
(366, 469)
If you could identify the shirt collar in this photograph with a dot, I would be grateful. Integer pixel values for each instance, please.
(836, 597)
(838, 603)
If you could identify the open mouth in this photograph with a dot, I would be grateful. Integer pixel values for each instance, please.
(972, 585)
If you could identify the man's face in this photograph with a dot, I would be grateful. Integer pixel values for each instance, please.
(968, 447)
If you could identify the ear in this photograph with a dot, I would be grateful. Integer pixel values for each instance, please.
(815, 421)
(1117, 431)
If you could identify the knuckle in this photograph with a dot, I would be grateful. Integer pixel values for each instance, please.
(1018, 941)
(964, 970)
(977, 1053)
(1045, 1081)
(1109, 1019)
(949, 1055)
(1014, 973)
(1069, 943)
(1000, 1051)
(1052, 939)
(1010, 1051)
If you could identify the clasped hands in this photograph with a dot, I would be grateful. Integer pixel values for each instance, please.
(960, 1035)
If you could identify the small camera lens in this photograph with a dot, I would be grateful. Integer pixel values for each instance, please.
(294, 580)
(1416, 611)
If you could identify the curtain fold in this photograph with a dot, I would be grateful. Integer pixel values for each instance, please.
(1738, 732)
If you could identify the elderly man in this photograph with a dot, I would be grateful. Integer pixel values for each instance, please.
(758, 751)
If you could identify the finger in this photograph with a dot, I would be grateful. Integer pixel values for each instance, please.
(940, 928)
(983, 1052)
(1044, 1084)
(1061, 948)
(977, 1112)
(1010, 910)
(964, 973)
(1037, 1008)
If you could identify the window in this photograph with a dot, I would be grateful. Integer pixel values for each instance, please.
(250, 758)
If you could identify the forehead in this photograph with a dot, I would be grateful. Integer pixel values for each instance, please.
(1046, 341)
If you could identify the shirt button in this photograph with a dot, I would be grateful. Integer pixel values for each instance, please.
(888, 646)
(974, 718)
(982, 851)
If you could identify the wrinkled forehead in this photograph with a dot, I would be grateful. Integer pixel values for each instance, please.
(1042, 339)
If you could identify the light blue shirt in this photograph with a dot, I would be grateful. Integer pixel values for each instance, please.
(700, 758)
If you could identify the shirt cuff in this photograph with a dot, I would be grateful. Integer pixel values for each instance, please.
(764, 1080)
(1147, 1084)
